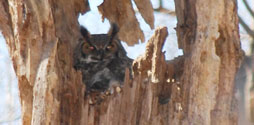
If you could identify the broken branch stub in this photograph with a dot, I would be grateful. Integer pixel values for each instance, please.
(153, 61)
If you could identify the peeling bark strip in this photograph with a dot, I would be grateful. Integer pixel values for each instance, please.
(208, 33)
(122, 13)
(145, 8)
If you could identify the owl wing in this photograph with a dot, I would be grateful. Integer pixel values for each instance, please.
(100, 80)
(118, 66)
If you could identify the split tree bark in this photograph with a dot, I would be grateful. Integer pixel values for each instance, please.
(41, 36)
(196, 88)
(209, 36)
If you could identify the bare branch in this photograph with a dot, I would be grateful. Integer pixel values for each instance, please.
(10, 120)
(246, 27)
(248, 8)
(164, 10)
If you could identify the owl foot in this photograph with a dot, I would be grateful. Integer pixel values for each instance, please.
(97, 97)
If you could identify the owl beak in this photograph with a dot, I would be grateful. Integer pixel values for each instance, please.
(101, 55)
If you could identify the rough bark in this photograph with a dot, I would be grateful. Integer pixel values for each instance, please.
(196, 88)
(209, 36)
(41, 36)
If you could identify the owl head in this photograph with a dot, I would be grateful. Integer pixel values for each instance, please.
(100, 47)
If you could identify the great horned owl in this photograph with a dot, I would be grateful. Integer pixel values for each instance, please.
(102, 59)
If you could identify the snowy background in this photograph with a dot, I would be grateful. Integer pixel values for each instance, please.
(10, 111)
(93, 22)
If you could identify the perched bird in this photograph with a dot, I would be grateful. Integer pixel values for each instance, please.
(101, 59)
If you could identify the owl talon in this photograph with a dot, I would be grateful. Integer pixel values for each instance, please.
(90, 101)
(118, 89)
(107, 93)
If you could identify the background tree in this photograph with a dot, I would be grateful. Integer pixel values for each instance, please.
(245, 77)
(41, 36)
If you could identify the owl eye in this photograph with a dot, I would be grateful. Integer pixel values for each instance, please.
(88, 47)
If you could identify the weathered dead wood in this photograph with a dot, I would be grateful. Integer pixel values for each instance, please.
(146, 10)
(125, 18)
(208, 34)
(50, 90)
(196, 88)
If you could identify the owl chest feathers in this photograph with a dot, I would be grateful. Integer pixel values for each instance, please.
(99, 75)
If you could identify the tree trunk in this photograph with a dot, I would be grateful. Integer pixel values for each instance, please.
(209, 36)
(41, 36)
(197, 88)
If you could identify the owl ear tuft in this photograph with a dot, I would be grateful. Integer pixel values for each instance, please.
(113, 31)
(85, 33)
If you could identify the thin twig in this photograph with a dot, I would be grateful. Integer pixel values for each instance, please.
(10, 120)
(248, 8)
(246, 27)
(163, 10)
